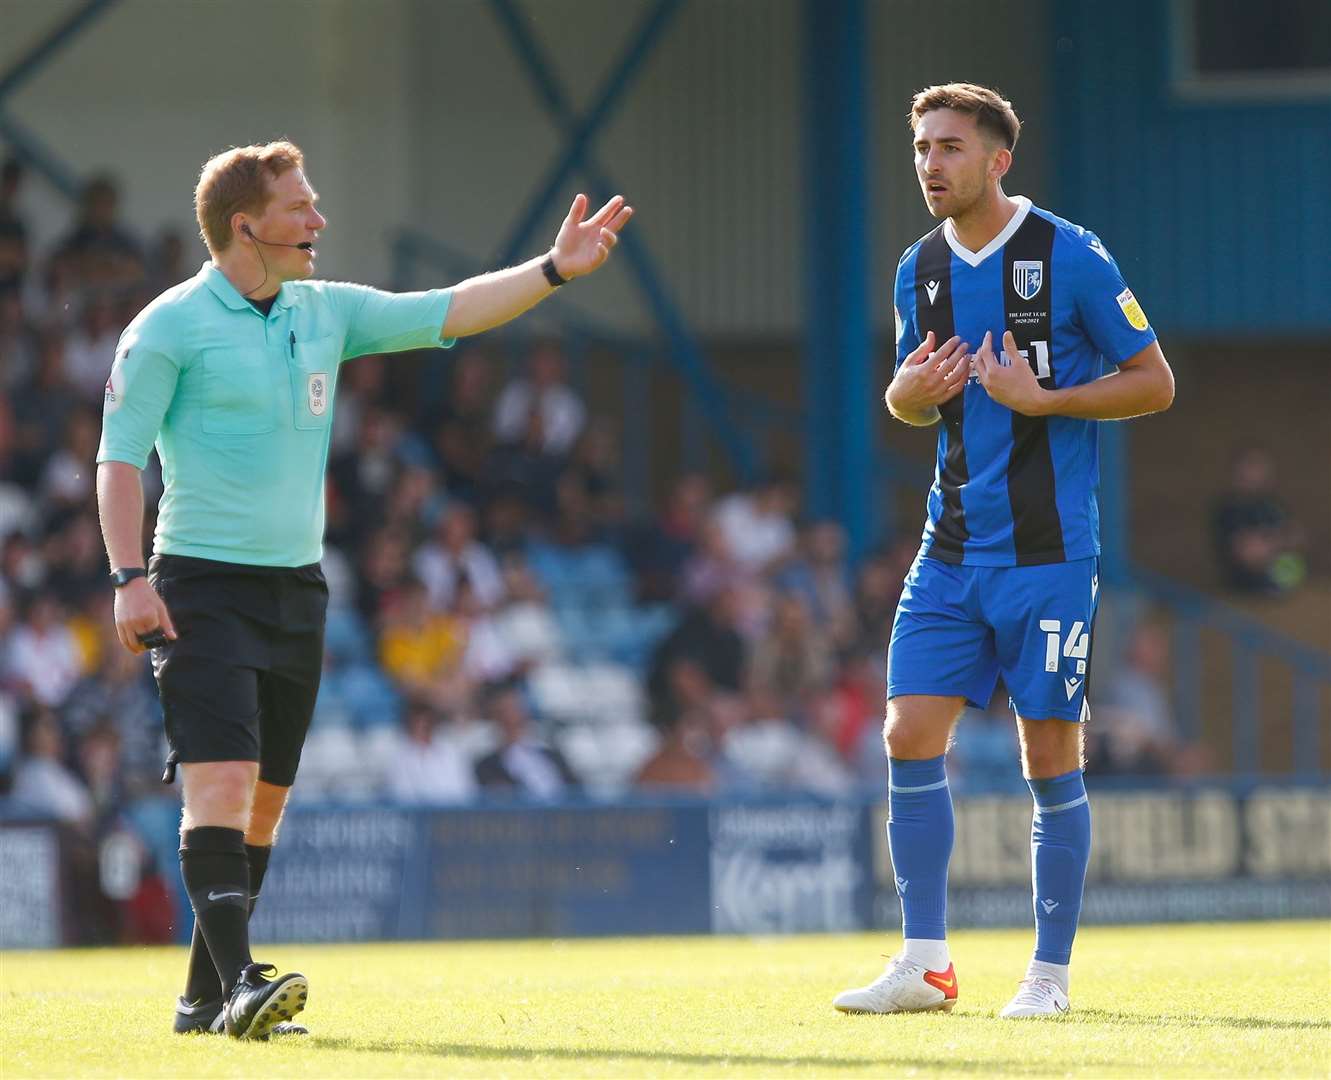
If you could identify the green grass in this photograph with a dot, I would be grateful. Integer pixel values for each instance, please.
(1234, 1000)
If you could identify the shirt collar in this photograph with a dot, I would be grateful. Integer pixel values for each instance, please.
(226, 292)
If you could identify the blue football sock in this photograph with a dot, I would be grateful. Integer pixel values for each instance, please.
(919, 834)
(1060, 851)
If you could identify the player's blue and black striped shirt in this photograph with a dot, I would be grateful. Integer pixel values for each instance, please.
(1013, 490)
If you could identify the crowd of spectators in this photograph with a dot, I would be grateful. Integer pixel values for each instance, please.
(500, 623)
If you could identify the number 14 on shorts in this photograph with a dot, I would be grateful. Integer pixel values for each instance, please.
(1077, 646)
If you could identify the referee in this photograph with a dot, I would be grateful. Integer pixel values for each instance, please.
(232, 375)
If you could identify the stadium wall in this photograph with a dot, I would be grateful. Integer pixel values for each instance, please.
(1216, 208)
(417, 113)
(151, 88)
(762, 867)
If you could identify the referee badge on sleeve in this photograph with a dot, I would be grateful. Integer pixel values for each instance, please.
(317, 392)
(115, 386)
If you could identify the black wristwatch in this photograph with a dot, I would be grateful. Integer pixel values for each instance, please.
(121, 578)
(551, 272)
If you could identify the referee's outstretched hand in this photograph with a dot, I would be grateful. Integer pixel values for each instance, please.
(930, 376)
(583, 245)
(140, 611)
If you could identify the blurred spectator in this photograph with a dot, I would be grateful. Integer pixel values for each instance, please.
(412, 503)
(21, 562)
(364, 476)
(757, 525)
(422, 649)
(382, 572)
(850, 716)
(523, 763)
(820, 577)
(17, 507)
(100, 250)
(706, 639)
(42, 782)
(1257, 541)
(429, 768)
(14, 254)
(524, 621)
(462, 433)
(69, 480)
(360, 384)
(455, 553)
(91, 348)
(712, 566)
(525, 471)
(794, 657)
(166, 261)
(877, 593)
(43, 404)
(680, 763)
(120, 696)
(44, 656)
(18, 343)
(1135, 730)
(542, 392)
(659, 549)
(487, 658)
(770, 753)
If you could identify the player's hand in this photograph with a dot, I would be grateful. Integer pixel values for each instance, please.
(582, 246)
(928, 377)
(139, 610)
(1011, 383)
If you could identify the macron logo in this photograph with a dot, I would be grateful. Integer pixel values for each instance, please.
(902, 885)
(932, 289)
(1049, 906)
(1070, 685)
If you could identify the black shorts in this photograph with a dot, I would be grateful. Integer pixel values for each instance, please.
(239, 682)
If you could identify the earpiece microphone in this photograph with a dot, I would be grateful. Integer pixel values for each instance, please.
(303, 246)
(245, 228)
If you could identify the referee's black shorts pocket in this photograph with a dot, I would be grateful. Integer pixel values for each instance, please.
(210, 708)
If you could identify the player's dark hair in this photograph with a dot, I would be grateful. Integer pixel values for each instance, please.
(993, 113)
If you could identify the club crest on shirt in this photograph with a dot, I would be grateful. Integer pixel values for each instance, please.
(317, 393)
(1027, 277)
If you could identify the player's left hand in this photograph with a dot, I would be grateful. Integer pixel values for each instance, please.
(1012, 383)
(582, 246)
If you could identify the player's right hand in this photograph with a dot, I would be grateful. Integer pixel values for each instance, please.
(930, 376)
(139, 610)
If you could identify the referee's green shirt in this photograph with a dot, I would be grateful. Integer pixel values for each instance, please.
(240, 407)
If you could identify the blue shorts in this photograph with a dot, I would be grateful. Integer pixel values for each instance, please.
(959, 627)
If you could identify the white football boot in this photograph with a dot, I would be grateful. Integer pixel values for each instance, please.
(1037, 997)
(904, 986)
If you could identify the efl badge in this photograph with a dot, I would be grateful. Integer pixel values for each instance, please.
(1027, 277)
(1132, 311)
(317, 392)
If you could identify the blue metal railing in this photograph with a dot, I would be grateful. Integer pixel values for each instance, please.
(762, 422)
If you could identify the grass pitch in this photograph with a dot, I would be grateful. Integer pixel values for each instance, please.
(1233, 1000)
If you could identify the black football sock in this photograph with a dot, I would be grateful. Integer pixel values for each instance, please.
(258, 860)
(217, 878)
(201, 982)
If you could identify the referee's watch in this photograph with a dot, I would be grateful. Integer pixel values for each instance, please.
(121, 578)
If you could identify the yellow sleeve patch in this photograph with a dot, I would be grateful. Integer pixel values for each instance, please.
(1132, 311)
